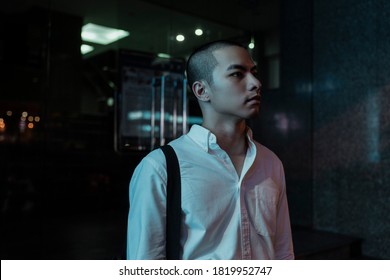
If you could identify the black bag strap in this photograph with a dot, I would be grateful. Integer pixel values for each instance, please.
(173, 220)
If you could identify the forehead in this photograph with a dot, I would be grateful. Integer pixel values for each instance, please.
(232, 55)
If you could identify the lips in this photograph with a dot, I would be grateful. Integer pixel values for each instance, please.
(254, 100)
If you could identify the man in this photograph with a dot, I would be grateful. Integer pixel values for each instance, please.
(234, 203)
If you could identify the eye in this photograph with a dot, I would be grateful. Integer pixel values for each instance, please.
(236, 74)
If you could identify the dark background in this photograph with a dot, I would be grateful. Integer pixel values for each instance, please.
(325, 67)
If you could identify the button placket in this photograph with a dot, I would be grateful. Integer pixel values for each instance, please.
(245, 228)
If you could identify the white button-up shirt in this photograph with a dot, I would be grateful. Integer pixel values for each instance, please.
(224, 216)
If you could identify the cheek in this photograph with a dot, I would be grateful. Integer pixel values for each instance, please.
(227, 93)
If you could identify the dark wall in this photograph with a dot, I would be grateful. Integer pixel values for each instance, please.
(285, 121)
(329, 122)
(351, 79)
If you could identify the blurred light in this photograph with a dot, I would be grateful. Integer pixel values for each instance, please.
(195, 120)
(86, 49)
(198, 32)
(146, 128)
(30, 125)
(9, 113)
(180, 38)
(2, 125)
(111, 84)
(101, 34)
(110, 101)
(22, 126)
(252, 43)
(135, 115)
(24, 114)
(163, 55)
(30, 118)
(23, 119)
(37, 119)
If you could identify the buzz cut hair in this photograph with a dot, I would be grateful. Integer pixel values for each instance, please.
(201, 63)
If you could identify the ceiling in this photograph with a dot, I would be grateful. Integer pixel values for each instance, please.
(154, 24)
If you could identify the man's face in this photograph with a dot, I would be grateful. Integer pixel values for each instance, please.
(234, 92)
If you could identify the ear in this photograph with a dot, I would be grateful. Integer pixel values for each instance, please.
(199, 88)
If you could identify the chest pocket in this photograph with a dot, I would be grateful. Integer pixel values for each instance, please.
(262, 204)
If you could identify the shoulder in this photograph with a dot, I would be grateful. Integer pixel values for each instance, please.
(152, 164)
(156, 161)
(149, 177)
(184, 146)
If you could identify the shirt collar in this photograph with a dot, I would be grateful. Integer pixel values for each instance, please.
(205, 138)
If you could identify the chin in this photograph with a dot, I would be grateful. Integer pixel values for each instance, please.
(253, 114)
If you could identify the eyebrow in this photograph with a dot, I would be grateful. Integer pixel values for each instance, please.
(240, 67)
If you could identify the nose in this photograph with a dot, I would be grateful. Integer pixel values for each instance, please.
(254, 84)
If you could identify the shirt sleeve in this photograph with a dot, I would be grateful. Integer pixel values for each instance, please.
(283, 242)
(147, 215)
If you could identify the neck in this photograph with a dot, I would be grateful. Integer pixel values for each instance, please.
(231, 137)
